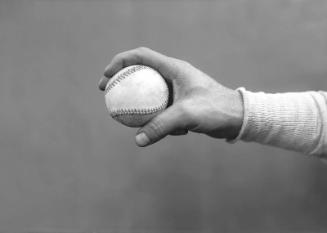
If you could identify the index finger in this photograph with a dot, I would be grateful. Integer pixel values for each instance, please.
(142, 56)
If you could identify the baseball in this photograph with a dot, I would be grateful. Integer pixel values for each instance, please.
(135, 95)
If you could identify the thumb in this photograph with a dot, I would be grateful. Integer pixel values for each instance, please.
(160, 126)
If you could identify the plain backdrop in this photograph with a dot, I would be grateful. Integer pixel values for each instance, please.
(66, 166)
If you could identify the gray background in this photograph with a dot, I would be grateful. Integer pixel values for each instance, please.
(65, 166)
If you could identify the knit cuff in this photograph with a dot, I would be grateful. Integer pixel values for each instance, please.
(291, 121)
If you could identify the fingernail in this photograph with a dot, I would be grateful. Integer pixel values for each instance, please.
(142, 139)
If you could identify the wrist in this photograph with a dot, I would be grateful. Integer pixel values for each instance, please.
(236, 109)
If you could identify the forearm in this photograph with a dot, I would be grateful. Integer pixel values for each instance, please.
(294, 121)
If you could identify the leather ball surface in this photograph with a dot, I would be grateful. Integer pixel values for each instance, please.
(135, 95)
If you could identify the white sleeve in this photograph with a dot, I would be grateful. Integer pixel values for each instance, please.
(295, 121)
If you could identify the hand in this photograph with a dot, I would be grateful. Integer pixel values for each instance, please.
(200, 104)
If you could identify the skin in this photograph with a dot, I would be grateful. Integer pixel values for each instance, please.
(200, 104)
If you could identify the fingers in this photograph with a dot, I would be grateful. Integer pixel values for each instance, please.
(165, 65)
(165, 123)
(143, 56)
(122, 60)
(103, 83)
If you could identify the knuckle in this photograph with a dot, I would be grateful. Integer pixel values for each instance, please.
(156, 129)
(118, 57)
(181, 67)
(139, 54)
(143, 49)
(183, 63)
(177, 66)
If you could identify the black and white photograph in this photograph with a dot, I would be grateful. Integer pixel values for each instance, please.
(163, 116)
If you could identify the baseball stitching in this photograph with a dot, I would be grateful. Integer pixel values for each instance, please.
(124, 75)
(142, 111)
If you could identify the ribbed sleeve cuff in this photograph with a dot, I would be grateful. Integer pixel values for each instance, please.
(294, 121)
